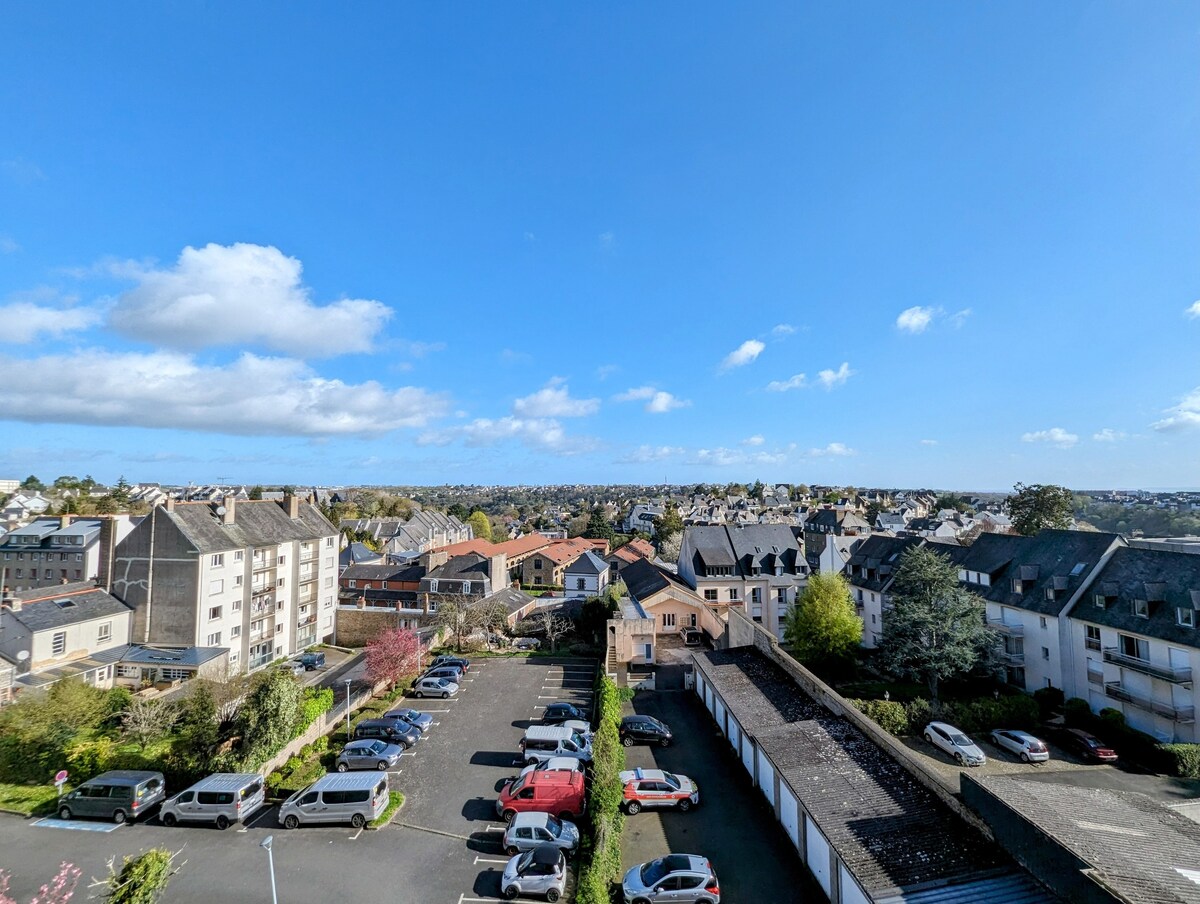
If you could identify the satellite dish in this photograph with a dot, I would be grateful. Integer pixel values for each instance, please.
(22, 655)
(220, 510)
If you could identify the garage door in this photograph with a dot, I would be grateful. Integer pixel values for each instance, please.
(708, 697)
(766, 777)
(817, 853)
(789, 813)
(720, 714)
(700, 685)
(748, 755)
(848, 889)
(735, 734)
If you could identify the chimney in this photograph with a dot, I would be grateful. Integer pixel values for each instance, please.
(291, 503)
(64, 521)
(10, 599)
(434, 558)
(107, 553)
(498, 571)
(230, 505)
(169, 505)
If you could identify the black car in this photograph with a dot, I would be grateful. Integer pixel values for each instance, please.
(394, 731)
(643, 730)
(464, 664)
(557, 713)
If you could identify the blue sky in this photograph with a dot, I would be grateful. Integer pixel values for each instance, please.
(941, 244)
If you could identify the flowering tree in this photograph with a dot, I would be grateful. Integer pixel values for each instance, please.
(392, 655)
(58, 890)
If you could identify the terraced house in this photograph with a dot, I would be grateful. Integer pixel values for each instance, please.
(255, 577)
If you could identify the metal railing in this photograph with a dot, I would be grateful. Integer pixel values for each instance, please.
(259, 661)
(1012, 658)
(1006, 627)
(1166, 710)
(1146, 667)
(264, 562)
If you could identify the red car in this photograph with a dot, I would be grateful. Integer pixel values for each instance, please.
(1087, 746)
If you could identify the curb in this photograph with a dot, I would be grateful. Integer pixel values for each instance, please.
(391, 819)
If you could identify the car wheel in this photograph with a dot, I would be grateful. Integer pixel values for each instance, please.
(445, 695)
(358, 820)
(640, 901)
(633, 808)
(685, 805)
(64, 812)
(1024, 758)
(222, 822)
(511, 892)
(169, 820)
(958, 758)
(531, 762)
(552, 894)
(382, 766)
(508, 815)
(627, 741)
(119, 816)
(291, 822)
(512, 850)
(418, 695)
(342, 767)
(928, 738)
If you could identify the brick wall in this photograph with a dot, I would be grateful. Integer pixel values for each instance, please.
(355, 627)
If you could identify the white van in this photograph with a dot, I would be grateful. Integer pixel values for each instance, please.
(541, 742)
(353, 797)
(222, 799)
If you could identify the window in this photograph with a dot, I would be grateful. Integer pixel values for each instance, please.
(537, 563)
(352, 584)
(1016, 585)
(1185, 617)
(1134, 647)
(279, 629)
(872, 618)
(1093, 637)
(384, 585)
(283, 560)
(280, 582)
(1078, 569)
(104, 632)
(580, 584)
(236, 605)
(329, 542)
(1100, 600)
(58, 645)
(668, 619)
(1141, 608)
(328, 583)
(217, 560)
(215, 587)
(237, 556)
(1049, 593)
(733, 594)
(781, 595)
(1042, 620)
(237, 581)
(710, 594)
(1046, 653)
(235, 631)
(214, 612)
(78, 557)
(214, 640)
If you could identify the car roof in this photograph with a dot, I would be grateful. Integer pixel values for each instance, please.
(636, 774)
(547, 855)
(946, 726)
(675, 863)
(554, 777)
(530, 818)
(1017, 733)
(636, 717)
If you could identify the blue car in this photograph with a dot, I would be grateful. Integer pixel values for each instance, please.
(419, 720)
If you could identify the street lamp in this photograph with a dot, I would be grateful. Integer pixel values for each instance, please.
(347, 709)
(266, 844)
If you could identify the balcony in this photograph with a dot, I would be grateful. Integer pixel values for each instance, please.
(1114, 690)
(259, 661)
(307, 620)
(1006, 627)
(262, 563)
(1092, 643)
(306, 598)
(308, 555)
(1095, 677)
(1017, 659)
(1164, 672)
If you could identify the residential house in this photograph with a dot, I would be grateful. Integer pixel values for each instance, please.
(587, 576)
(635, 549)
(358, 554)
(423, 531)
(393, 588)
(59, 549)
(759, 566)
(893, 522)
(830, 522)
(22, 506)
(1131, 641)
(547, 567)
(255, 577)
(515, 551)
(641, 518)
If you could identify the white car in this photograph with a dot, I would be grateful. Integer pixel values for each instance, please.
(1021, 744)
(950, 740)
(561, 763)
(434, 687)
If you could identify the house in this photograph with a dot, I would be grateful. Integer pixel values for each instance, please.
(392, 588)
(892, 521)
(871, 570)
(587, 575)
(759, 566)
(358, 554)
(421, 532)
(256, 577)
(515, 551)
(641, 518)
(837, 553)
(547, 567)
(473, 576)
(60, 549)
(1131, 641)
(21, 506)
(635, 549)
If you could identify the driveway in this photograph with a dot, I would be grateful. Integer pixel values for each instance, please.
(732, 827)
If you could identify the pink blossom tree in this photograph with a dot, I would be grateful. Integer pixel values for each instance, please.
(58, 890)
(393, 654)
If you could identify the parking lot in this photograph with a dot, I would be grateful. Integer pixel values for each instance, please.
(733, 827)
(442, 846)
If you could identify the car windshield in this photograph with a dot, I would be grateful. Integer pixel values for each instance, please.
(516, 786)
(554, 826)
(653, 871)
(672, 780)
(578, 739)
(377, 746)
(959, 740)
(442, 682)
(523, 863)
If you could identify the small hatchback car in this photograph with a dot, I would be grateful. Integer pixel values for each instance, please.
(528, 830)
(541, 871)
(950, 740)
(1021, 744)
(434, 687)
(562, 712)
(369, 753)
(676, 877)
(643, 730)
(656, 788)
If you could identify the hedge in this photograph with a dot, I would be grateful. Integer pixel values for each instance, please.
(601, 850)
(981, 714)
(887, 714)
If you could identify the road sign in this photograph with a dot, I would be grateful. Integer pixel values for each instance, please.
(61, 777)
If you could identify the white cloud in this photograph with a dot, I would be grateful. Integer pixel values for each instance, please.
(657, 401)
(756, 440)
(24, 321)
(1108, 435)
(554, 400)
(834, 450)
(8, 245)
(606, 240)
(539, 433)
(831, 378)
(958, 318)
(916, 319)
(643, 454)
(1055, 436)
(22, 171)
(604, 371)
(728, 457)
(241, 295)
(743, 354)
(1184, 416)
(251, 396)
(1194, 310)
(636, 394)
(782, 329)
(796, 381)
(929, 442)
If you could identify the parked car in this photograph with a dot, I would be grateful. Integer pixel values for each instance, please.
(369, 753)
(675, 877)
(356, 799)
(313, 659)
(691, 637)
(528, 830)
(421, 721)
(434, 687)
(541, 871)
(464, 664)
(562, 712)
(560, 793)
(1086, 746)
(222, 799)
(449, 672)
(121, 795)
(560, 763)
(526, 643)
(295, 666)
(541, 742)
(950, 740)
(1021, 744)
(656, 788)
(394, 731)
(644, 730)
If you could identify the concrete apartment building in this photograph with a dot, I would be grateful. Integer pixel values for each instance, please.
(760, 567)
(256, 577)
(62, 549)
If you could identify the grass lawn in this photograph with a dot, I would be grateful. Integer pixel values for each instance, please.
(30, 800)
(395, 802)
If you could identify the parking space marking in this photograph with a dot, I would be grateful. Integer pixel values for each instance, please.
(491, 828)
(52, 822)
(488, 860)
(409, 825)
(257, 816)
(462, 899)
(354, 837)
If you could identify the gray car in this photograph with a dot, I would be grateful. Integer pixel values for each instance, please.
(295, 666)
(419, 720)
(369, 753)
(675, 877)
(449, 672)
(541, 871)
(529, 829)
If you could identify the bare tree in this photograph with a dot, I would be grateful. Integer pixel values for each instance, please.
(668, 547)
(228, 692)
(459, 615)
(146, 721)
(554, 625)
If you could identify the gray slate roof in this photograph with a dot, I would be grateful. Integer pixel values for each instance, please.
(372, 572)
(588, 563)
(256, 523)
(66, 604)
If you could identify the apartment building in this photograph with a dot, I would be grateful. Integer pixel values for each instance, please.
(758, 566)
(871, 570)
(255, 577)
(56, 550)
(1131, 641)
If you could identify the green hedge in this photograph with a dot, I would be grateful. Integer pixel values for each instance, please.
(601, 850)
(887, 714)
(1182, 760)
(982, 714)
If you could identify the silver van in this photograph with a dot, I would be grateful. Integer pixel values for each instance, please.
(353, 797)
(222, 799)
(122, 795)
(541, 742)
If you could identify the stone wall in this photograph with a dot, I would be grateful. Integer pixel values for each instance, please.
(355, 627)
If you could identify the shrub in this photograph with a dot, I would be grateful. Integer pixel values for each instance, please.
(1182, 760)
(919, 713)
(887, 714)
(1049, 700)
(315, 703)
(601, 855)
(1077, 712)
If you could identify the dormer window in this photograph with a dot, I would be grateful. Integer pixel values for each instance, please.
(1185, 617)
(1101, 600)
(1141, 608)
(1049, 593)
(1017, 585)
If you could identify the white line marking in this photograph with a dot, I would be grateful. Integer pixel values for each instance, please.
(462, 899)
(491, 828)
(355, 836)
(488, 860)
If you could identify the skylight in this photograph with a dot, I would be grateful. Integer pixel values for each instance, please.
(65, 604)
(1078, 569)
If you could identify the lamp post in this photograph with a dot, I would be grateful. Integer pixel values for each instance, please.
(347, 709)
(266, 844)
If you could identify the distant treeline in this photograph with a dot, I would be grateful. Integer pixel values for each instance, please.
(1152, 522)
